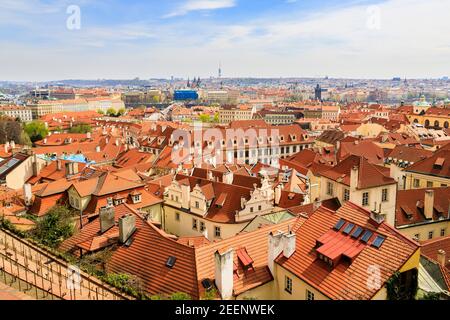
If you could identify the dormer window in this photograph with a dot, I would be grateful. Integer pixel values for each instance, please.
(109, 202)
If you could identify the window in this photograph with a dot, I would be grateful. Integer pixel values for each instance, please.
(259, 208)
(309, 295)
(430, 235)
(384, 195)
(197, 204)
(429, 184)
(217, 232)
(329, 188)
(442, 232)
(416, 183)
(288, 284)
(194, 224)
(202, 226)
(177, 216)
(346, 195)
(417, 236)
(365, 199)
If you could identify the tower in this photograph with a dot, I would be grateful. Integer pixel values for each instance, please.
(220, 70)
(318, 93)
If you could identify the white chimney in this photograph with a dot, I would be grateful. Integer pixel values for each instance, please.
(13, 144)
(27, 194)
(228, 177)
(224, 273)
(185, 195)
(289, 244)
(428, 204)
(354, 177)
(6, 147)
(442, 258)
(97, 149)
(106, 218)
(278, 193)
(127, 226)
(88, 135)
(275, 248)
(58, 165)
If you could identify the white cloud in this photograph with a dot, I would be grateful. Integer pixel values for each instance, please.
(412, 41)
(201, 5)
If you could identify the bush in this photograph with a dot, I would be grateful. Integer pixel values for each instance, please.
(56, 226)
(36, 130)
(81, 128)
(180, 296)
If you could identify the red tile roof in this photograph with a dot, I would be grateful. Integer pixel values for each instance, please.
(346, 280)
(409, 206)
(437, 165)
(370, 175)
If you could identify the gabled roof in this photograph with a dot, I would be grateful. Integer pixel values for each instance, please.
(407, 211)
(346, 281)
(437, 165)
(369, 176)
(109, 183)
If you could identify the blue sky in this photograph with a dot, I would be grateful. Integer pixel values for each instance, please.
(260, 38)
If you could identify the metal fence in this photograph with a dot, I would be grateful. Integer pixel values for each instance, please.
(41, 275)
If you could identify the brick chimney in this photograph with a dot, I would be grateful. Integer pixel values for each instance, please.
(106, 218)
(58, 165)
(127, 226)
(428, 204)
(442, 257)
(224, 273)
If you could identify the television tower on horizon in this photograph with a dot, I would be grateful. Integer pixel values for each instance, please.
(220, 70)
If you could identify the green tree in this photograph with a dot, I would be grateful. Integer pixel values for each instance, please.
(81, 128)
(216, 118)
(111, 112)
(36, 130)
(121, 112)
(204, 118)
(56, 226)
(25, 139)
(100, 111)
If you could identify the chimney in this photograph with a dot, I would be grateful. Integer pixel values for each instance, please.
(36, 166)
(127, 226)
(185, 195)
(441, 257)
(69, 170)
(6, 148)
(354, 177)
(428, 204)
(275, 248)
(289, 240)
(75, 167)
(278, 193)
(58, 165)
(12, 144)
(88, 135)
(106, 218)
(224, 273)
(243, 202)
(27, 194)
(228, 177)
(97, 149)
